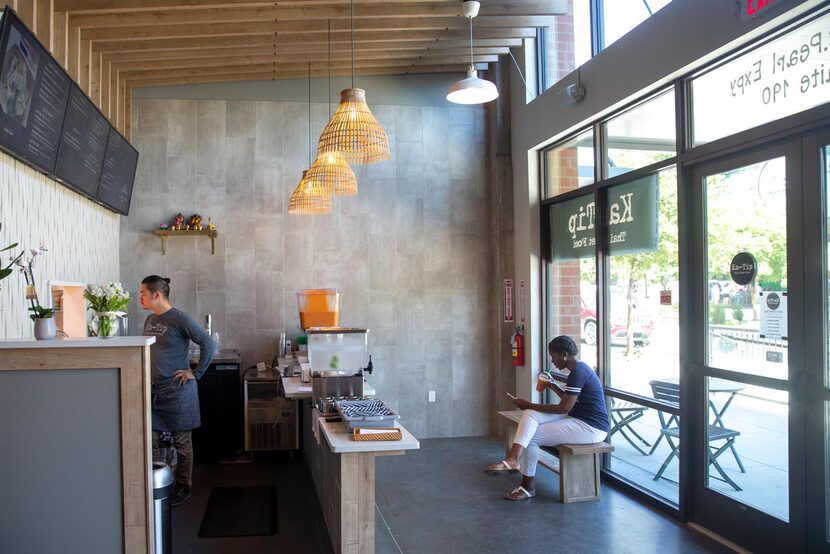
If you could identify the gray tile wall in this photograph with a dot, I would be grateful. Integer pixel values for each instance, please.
(412, 254)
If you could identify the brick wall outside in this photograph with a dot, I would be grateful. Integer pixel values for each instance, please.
(559, 59)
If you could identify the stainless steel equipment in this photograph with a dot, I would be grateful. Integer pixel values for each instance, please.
(163, 484)
(270, 420)
(338, 358)
(366, 413)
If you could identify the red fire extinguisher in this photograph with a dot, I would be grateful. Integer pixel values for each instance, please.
(517, 343)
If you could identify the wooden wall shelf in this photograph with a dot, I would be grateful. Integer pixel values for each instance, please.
(164, 233)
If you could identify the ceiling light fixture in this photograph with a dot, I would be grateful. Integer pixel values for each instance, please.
(472, 90)
(353, 130)
(309, 198)
(330, 170)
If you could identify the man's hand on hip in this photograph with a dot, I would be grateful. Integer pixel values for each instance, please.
(183, 376)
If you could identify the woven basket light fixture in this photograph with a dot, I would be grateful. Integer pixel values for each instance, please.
(353, 130)
(330, 169)
(309, 198)
(333, 175)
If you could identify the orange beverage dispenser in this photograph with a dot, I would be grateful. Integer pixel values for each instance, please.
(319, 307)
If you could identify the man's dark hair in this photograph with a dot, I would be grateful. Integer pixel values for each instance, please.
(154, 283)
(563, 345)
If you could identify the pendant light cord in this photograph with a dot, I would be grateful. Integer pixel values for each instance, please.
(309, 114)
(352, 3)
(471, 42)
(328, 98)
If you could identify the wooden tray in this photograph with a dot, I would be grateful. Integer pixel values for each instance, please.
(390, 434)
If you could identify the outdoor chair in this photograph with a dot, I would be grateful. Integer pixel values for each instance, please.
(623, 414)
(669, 428)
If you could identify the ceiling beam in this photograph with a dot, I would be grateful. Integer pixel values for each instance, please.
(203, 15)
(193, 71)
(305, 38)
(162, 77)
(112, 6)
(306, 26)
(317, 62)
(367, 49)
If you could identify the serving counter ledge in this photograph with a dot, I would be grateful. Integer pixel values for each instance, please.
(340, 441)
(76, 414)
(343, 472)
(89, 342)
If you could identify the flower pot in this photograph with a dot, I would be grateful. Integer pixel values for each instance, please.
(105, 324)
(45, 328)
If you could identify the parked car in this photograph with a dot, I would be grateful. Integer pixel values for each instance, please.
(643, 324)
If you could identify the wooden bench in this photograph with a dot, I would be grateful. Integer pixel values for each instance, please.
(578, 465)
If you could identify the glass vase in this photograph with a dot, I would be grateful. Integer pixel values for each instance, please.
(105, 324)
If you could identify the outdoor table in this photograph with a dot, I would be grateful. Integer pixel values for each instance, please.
(717, 385)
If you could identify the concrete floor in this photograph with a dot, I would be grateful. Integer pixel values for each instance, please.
(437, 500)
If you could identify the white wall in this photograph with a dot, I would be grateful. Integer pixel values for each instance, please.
(82, 239)
(682, 36)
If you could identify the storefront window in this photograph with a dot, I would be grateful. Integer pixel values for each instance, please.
(783, 77)
(641, 136)
(572, 275)
(643, 314)
(621, 16)
(567, 42)
(746, 224)
(647, 443)
(570, 165)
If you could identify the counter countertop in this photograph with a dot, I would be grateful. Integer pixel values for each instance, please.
(222, 356)
(89, 342)
(295, 388)
(340, 440)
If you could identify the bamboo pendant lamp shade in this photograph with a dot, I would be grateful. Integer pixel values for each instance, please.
(309, 198)
(333, 174)
(354, 132)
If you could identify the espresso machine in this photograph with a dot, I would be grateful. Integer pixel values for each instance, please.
(339, 357)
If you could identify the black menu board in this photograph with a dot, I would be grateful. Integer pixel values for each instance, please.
(83, 143)
(33, 94)
(118, 173)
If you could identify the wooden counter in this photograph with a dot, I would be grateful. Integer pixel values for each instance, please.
(343, 472)
(75, 423)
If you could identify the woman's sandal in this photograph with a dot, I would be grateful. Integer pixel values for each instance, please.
(519, 493)
(500, 467)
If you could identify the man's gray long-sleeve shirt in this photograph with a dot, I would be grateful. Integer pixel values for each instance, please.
(176, 408)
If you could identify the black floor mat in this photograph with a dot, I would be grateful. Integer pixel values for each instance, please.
(240, 512)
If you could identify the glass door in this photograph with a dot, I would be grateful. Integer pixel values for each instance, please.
(814, 384)
(746, 415)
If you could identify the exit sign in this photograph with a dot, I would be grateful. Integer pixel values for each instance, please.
(751, 9)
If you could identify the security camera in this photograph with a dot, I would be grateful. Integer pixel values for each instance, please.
(575, 92)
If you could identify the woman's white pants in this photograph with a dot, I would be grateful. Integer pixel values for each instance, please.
(537, 429)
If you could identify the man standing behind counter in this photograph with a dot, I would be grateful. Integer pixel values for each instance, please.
(175, 395)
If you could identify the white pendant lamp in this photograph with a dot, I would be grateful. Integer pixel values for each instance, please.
(472, 90)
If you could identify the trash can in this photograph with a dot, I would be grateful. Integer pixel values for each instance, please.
(163, 484)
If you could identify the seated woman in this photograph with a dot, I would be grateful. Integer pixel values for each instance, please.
(579, 418)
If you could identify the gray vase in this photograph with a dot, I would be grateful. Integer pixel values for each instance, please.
(45, 328)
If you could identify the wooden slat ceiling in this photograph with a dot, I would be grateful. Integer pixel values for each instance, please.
(111, 46)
